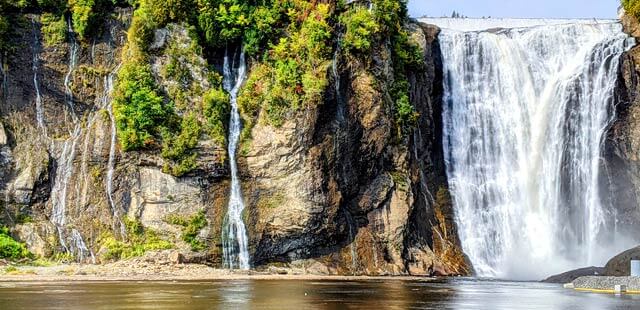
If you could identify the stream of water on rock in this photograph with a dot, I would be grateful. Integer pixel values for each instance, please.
(525, 114)
(36, 84)
(65, 154)
(234, 233)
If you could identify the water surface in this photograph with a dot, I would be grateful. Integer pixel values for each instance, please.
(297, 294)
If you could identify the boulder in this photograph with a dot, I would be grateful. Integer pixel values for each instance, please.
(569, 276)
(618, 266)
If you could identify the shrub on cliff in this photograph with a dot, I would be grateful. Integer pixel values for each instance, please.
(139, 241)
(10, 248)
(294, 70)
(139, 109)
(632, 7)
(360, 28)
(54, 29)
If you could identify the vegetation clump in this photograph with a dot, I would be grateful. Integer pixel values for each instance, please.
(191, 228)
(139, 241)
(632, 7)
(54, 29)
(10, 248)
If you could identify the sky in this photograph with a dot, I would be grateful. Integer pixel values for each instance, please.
(517, 8)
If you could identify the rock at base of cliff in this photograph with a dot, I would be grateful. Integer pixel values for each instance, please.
(619, 265)
(569, 276)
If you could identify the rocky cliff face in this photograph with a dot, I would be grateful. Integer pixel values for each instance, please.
(622, 147)
(334, 190)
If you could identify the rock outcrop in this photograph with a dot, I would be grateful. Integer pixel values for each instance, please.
(619, 265)
(622, 146)
(569, 276)
(340, 194)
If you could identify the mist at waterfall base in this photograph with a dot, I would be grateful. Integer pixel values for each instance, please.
(525, 114)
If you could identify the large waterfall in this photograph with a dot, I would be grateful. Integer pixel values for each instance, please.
(234, 234)
(525, 114)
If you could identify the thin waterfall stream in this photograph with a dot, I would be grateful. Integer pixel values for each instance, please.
(234, 233)
(64, 155)
(36, 84)
(525, 113)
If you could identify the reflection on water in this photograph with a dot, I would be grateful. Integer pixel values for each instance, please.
(296, 294)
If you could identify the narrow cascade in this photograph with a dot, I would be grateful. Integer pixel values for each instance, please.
(525, 113)
(234, 233)
(108, 103)
(36, 84)
(65, 156)
(73, 58)
(112, 147)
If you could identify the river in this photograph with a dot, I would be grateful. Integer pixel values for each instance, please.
(304, 294)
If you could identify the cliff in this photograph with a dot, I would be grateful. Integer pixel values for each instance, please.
(334, 188)
(621, 149)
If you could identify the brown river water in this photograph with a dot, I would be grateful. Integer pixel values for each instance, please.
(304, 294)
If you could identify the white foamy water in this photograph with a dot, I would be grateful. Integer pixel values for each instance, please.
(481, 24)
(525, 114)
(234, 233)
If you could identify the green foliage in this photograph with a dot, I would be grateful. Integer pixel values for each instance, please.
(82, 12)
(295, 70)
(632, 7)
(179, 149)
(360, 30)
(54, 29)
(140, 240)
(216, 110)
(10, 248)
(191, 229)
(223, 21)
(139, 109)
(386, 24)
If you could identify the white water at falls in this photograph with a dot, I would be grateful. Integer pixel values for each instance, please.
(525, 113)
(234, 233)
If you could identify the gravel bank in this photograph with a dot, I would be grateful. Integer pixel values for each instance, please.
(606, 283)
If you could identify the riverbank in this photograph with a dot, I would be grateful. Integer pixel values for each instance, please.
(141, 269)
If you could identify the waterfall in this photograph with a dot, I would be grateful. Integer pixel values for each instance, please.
(36, 85)
(73, 53)
(525, 113)
(64, 159)
(234, 234)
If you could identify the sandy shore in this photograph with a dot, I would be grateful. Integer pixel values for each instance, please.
(152, 271)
